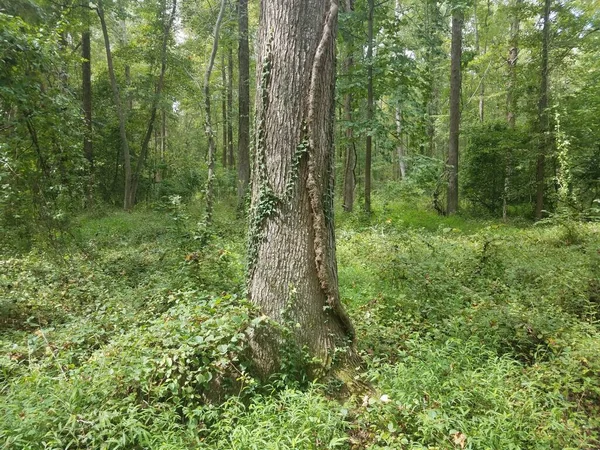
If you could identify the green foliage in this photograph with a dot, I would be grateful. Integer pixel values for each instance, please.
(41, 165)
(496, 165)
(473, 329)
(473, 332)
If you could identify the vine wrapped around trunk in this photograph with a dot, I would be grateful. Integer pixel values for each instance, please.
(292, 272)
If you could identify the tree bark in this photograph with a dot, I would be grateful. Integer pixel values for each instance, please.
(243, 159)
(208, 122)
(455, 86)
(86, 71)
(511, 98)
(119, 107)
(350, 160)
(370, 107)
(86, 89)
(400, 146)
(292, 272)
(230, 159)
(543, 119)
(224, 110)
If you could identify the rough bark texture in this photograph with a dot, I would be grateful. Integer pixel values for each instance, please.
(243, 157)
(127, 205)
(292, 273)
(350, 160)
(543, 118)
(370, 108)
(455, 85)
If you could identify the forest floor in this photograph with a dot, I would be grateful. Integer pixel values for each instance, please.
(476, 334)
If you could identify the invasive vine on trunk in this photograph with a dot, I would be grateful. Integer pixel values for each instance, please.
(314, 185)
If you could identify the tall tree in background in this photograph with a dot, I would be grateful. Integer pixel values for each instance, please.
(167, 24)
(230, 157)
(127, 205)
(210, 134)
(224, 117)
(511, 98)
(370, 106)
(243, 157)
(292, 273)
(543, 117)
(350, 156)
(86, 89)
(481, 50)
(455, 86)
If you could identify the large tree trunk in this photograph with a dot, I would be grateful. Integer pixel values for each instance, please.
(292, 274)
(208, 120)
(370, 108)
(543, 118)
(350, 160)
(243, 159)
(127, 205)
(455, 85)
(511, 98)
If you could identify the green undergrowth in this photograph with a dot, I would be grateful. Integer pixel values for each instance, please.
(476, 334)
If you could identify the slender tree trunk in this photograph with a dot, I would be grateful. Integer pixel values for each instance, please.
(141, 160)
(350, 160)
(230, 159)
(292, 274)
(455, 85)
(543, 118)
(400, 146)
(119, 107)
(370, 107)
(243, 159)
(124, 42)
(224, 110)
(163, 143)
(86, 88)
(479, 51)
(511, 98)
(432, 13)
(208, 122)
